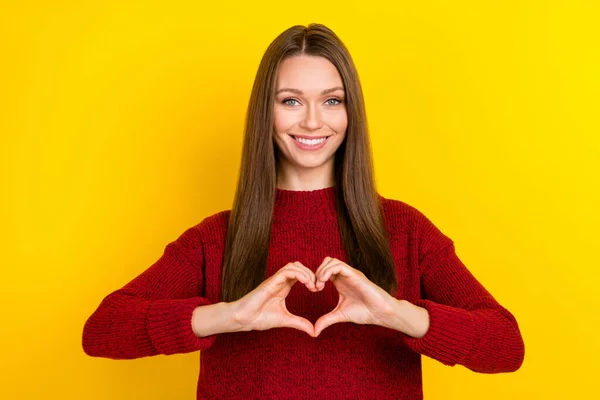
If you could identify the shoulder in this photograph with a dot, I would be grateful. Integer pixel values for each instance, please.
(400, 215)
(214, 224)
(404, 217)
(208, 230)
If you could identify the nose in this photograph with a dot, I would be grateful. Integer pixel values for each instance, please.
(312, 118)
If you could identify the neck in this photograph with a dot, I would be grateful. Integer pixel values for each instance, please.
(289, 178)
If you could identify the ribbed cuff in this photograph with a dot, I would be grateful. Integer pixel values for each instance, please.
(169, 325)
(451, 335)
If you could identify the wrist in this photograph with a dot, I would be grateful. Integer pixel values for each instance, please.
(417, 319)
(213, 319)
(231, 310)
(409, 318)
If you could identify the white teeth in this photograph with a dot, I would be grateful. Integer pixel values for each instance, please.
(311, 142)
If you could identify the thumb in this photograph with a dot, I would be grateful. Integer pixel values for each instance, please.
(302, 324)
(326, 320)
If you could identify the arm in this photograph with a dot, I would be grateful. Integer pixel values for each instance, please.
(153, 313)
(467, 326)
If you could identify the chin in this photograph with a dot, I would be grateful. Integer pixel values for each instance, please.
(312, 163)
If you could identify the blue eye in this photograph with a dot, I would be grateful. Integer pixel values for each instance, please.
(285, 101)
(334, 99)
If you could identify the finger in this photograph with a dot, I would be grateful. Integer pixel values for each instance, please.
(326, 261)
(309, 274)
(309, 281)
(327, 320)
(278, 284)
(328, 271)
(302, 276)
(320, 282)
(302, 324)
(287, 277)
(298, 266)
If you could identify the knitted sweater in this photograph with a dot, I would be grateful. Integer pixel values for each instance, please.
(152, 314)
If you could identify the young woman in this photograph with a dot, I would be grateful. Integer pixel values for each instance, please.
(380, 284)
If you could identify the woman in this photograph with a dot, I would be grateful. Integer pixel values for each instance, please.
(382, 284)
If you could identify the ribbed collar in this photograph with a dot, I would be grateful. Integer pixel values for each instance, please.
(305, 204)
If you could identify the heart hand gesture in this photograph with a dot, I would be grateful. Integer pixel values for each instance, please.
(360, 300)
(264, 307)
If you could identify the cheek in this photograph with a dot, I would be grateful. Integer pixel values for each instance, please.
(284, 120)
(338, 122)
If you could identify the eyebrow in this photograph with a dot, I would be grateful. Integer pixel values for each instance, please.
(297, 91)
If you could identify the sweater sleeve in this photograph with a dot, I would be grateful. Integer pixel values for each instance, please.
(467, 326)
(152, 314)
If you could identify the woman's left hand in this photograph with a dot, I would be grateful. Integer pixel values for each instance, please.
(360, 300)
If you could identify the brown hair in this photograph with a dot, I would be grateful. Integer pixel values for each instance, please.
(360, 215)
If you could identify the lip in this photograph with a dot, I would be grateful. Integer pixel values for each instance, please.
(309, 137)
(307, 147)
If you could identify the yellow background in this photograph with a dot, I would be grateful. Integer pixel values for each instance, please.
(122, 126)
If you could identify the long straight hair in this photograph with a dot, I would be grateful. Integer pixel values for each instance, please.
(358, 205)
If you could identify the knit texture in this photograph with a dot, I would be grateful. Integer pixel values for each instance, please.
(152, 314)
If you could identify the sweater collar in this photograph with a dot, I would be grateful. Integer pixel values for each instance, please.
(305, 204)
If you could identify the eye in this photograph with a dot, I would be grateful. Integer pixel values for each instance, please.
(334, 99)
(339, 101)
(285, 101)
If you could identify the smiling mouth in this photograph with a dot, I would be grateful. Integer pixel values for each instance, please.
(310, 142)
(309, 137)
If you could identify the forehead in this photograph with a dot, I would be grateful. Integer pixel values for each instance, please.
(307, 73)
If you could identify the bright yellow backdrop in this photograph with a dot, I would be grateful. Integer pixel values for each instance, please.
(122, 126)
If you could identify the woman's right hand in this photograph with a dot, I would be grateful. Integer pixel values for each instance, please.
(264, 307)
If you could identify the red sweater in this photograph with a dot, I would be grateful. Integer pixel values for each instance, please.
(152, 314)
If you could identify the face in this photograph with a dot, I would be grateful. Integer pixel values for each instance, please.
(310, 114)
